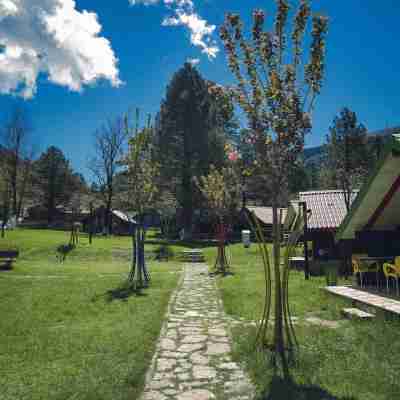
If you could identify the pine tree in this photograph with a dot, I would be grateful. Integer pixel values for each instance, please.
(347, 153)
(54, 179)
(192, 126)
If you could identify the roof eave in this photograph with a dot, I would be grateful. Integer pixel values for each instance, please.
(392, 147)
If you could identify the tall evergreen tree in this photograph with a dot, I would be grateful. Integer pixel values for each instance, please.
(54, 179)
(191, 134)
(347, 153)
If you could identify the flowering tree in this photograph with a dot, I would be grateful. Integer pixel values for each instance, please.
(142, 172)
(277, 90)
(221, 189)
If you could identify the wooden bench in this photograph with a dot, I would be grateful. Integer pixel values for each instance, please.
(7, 257)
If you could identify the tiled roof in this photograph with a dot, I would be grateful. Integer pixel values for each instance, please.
(328, 208)
(124, 216)
(264, 214)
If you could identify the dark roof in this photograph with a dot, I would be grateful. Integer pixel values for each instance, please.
(328, 208)
(264, 214)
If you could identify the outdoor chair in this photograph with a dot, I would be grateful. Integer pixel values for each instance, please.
(361, 268)
(392, 271)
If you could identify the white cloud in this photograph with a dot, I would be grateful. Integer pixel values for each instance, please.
(200, 31)
(184, 14)
(193, 61)
(145, 2)
(54, 38)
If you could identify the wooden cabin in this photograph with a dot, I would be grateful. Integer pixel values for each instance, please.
(326, 209)
(372, 226)
(265, 218)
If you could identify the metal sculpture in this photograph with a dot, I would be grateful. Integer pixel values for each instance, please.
(221, 265)
(139, 276)
(288, 330)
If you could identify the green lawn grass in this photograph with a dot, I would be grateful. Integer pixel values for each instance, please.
(359, 360)
(66, 332)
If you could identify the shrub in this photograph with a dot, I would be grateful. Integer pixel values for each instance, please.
(163, 252)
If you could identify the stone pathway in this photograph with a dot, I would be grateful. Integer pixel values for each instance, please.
(192, 359)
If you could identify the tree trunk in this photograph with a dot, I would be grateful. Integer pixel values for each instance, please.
(91, 223)
(139, 276)
(108, 216)
(22, 191)
(221, 263)
(187, 205)
(5, 218)
(50, 211)
(14, 194)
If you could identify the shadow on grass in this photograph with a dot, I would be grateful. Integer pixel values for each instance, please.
(193, 244)
(123, 293)
(221, 274)
(286, 389)
(6, 266)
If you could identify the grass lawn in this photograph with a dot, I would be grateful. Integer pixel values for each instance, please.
(357, 361)
(66, 332)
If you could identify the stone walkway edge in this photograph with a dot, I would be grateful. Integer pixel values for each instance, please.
(192, 359)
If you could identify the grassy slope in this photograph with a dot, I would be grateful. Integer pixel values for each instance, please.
(63, 335)
(360, 360)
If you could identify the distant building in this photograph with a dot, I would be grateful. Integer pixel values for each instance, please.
(36, 216)
(264, 217)
(326, 209)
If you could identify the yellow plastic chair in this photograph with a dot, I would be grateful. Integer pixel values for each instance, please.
(360, 267)
(392, 271)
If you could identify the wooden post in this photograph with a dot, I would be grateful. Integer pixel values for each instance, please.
(305, 237)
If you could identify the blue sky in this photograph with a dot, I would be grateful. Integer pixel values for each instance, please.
(362, 66)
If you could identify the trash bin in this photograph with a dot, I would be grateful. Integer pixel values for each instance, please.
(246, 238)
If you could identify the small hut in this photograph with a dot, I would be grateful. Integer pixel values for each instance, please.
(326, 209)
(265, 218)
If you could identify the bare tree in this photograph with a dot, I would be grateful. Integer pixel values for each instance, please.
(5, 196)
(109, 145)
(18, 155)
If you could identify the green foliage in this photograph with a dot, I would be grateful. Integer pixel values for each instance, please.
(221, 189)
(193, 125)
(347, 156)
(301, 178)
(142, 169)
(54, 179)
(164, 252)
